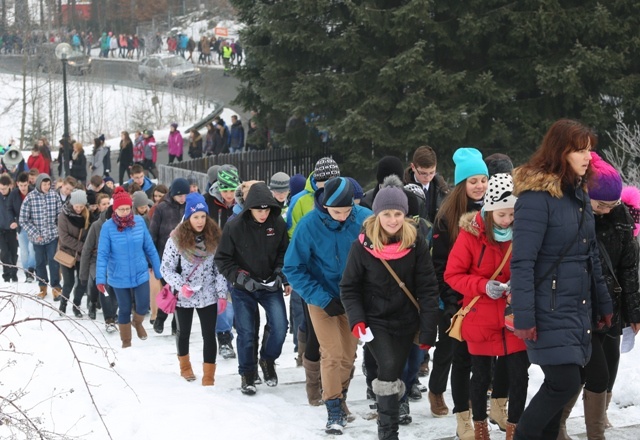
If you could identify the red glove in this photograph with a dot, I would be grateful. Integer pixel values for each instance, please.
(358, 330)
(101, 287)
(222, 305)
(425, 347)
(528, 334)
(605, 321)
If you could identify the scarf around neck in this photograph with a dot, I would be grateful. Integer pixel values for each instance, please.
(123, 222)
(389, 251)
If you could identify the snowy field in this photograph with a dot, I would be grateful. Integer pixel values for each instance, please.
(138, 392)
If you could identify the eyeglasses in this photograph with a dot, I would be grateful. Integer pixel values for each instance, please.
(602, 205)
(424, 173)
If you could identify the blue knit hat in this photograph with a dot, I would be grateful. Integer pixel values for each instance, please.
(195, 202)
(338, 193)
(468, 163)
(357, 189)
(179, 187)
(297, 183)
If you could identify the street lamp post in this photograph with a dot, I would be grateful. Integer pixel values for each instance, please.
(63, 50)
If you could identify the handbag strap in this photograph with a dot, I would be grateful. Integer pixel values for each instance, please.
(192, 271)
(607, 260)
(503, 262)
(401, 284)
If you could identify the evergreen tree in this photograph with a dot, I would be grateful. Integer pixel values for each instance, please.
(386, 76)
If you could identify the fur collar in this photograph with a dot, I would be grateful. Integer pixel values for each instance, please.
(472, 222)
(527, 179)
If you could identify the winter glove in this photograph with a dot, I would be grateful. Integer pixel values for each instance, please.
(186, 291)
(527, 334)
(278, 281)
(102, 288)
(334, 308)
(425, 347)
(495, 289)
(359, 330)
(247, 282)
(222, 305)
(605, 321)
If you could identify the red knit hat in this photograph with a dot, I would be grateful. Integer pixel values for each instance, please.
(121, 198)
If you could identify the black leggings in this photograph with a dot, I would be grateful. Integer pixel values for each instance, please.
(208, 316)
(460, 374)
(390, 353)
(601, 371)
(611, 347)
(517, 365)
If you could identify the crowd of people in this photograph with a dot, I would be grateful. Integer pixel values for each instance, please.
(538, 263)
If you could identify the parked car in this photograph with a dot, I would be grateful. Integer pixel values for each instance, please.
(78, 63)
(172, 70)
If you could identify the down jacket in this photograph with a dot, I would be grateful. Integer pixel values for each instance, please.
(472, 261)
(122, 256)
(548, 218)
(371, 295)
(168, 214)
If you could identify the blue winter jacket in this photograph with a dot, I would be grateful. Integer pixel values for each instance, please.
(122, 256)
(318, 251)
(559, 305)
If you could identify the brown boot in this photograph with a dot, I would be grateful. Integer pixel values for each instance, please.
(438, 406)
(607, 423)
(498, 413)
(125, 334)
(57, 292)
(481, 430)
(302, 345)
(511, 430)
(43, 292)
(137, 324)
(185, 368)
(208, 375)
(313, 382)
(566, 412)
(595, 408)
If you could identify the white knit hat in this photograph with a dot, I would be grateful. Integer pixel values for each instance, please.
(499, 194)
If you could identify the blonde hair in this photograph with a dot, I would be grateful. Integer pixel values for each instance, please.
(379, 238)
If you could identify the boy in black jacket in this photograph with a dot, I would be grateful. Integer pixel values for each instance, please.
(250, 256)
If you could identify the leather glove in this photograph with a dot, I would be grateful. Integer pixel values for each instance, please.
(495, 289)
(359, 329)
(222, 305)
(186, 291)
(101, 287)
(527, 334)
(605, 321)
(334, 308)
(247, 282)
(425, 347)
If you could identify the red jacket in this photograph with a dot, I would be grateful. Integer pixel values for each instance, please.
(472, 261)
(38, 162)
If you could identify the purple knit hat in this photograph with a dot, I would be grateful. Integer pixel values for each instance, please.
(605, 184)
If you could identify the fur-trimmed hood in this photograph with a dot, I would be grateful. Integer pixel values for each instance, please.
(473, 223)
(527, 179)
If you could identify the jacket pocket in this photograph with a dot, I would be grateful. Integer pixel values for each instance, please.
(554, 288)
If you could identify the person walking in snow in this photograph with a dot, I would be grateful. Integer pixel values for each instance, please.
(175, 144)
(98, 155)
(188, 267)
(125, 156)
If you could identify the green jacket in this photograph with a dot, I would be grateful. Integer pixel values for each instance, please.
(301, 204)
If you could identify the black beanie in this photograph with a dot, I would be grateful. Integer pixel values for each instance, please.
(387, 166)
(498, 163)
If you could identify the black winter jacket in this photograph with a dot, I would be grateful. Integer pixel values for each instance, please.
(371, 295)
(438, 190)
(15, 203)
(79, 168)
(257, 248)
(615, 234)
(6, 218)
(166, 217)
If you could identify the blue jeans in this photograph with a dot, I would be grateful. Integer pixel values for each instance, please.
(246, 307)
(27, 253)
(411, 367)
(139, 294)
(298, 321)
(225, 320)
(44, 257)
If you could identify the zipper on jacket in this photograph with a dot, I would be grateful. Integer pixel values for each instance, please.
(554, 285)
(481, 254)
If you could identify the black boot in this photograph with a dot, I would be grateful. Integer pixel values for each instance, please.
(30, 275)
(388, 395)
(63, 307)
(248, 386)
(92, 310)
(158, 325)
(225, 346)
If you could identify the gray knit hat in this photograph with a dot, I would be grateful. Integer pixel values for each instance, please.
(390, 197)
(140, 199)
(212, 173)
(78, 197)
(279, 182)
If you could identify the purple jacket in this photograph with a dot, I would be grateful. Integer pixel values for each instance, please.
(175, 143)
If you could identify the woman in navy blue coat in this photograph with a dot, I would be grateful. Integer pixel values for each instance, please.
(558, 293)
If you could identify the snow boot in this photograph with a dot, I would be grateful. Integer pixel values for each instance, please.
(302, 346)
(62, 307)
(225, 346)
(208, 374)
(405, 413)
(269, 372)
(125, 334)
(464, 426)
(438, 406)
(158, 325)
(415, 393)
(335, 420)
(248, 386)
(185, 368)
(481, 430)
(388, 395)
(498, 413)
(566, 412)
(137, 324)
(595, 409)
(511, 430)
(92, 310)
(313, 382)
(43, 292)
(57, 293)
(30, 278)
(607, 423)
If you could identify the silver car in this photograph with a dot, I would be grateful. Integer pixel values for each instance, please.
(172, 70)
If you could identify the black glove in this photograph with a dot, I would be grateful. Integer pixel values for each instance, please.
(247, 282)
(334, 308)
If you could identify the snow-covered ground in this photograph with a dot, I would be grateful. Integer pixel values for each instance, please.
(140, 394)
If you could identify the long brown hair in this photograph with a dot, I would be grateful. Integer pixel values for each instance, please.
(565, 136)
(379, 237)
(185, 237)
(453, 206)
(124, 143)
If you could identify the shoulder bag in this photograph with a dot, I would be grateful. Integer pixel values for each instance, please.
(166, 299)
(67, 260)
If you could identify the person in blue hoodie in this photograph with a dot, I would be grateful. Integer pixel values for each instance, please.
(328, 230)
